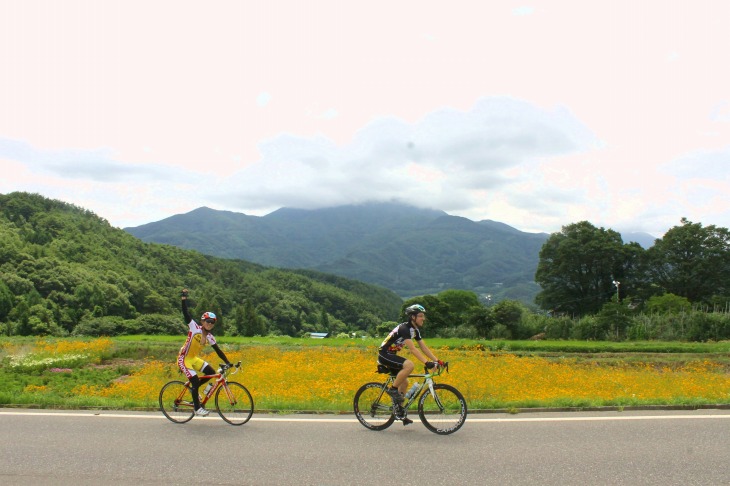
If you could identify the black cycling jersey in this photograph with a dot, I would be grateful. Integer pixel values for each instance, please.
(397, 338)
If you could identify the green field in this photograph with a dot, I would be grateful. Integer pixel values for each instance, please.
(293, 374)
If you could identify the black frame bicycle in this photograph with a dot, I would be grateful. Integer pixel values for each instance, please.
(441, 408)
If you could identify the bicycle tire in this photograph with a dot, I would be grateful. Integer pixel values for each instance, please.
(444, 413)
(176, 402)
(239, 411)
(373, 407)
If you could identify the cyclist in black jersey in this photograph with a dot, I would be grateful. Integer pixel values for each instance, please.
(403, 335)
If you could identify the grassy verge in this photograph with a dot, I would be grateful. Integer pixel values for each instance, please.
(288, 374)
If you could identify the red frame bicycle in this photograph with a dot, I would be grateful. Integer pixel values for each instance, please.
(233, 401)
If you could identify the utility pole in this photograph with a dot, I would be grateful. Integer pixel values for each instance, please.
(617, 284)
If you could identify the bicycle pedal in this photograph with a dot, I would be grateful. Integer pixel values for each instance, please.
(407, 421)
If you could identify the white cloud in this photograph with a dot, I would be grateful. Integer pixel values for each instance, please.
(263, 99)
(702, 164)
(523, 10)
(93, 166)
(449, 160)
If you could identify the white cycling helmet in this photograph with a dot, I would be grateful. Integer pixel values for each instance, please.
(415, 309)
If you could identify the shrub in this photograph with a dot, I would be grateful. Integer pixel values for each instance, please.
(100, 326)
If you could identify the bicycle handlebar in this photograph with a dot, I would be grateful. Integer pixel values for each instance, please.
(438, 369)
(225, 367)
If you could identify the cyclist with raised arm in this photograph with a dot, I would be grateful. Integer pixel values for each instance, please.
(403, 335)
(189, 359)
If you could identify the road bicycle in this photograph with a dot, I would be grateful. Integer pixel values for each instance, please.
(441, 407)
(233, 402)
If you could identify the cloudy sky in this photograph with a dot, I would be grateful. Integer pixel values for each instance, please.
(536, 114)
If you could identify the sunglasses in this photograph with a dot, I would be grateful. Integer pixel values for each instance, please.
(210, 321)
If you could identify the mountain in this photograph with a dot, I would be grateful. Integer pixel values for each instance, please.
(408, 250)
(645, 240)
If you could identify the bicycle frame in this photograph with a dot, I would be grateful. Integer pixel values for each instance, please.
(221, 379)
(427, 382)
(234, 406)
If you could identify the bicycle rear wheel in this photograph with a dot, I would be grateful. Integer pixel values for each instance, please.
(443, 412)
(374, 407)
(176, 402)
(234, 405)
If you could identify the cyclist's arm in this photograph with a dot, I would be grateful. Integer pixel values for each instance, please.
(186, 313)
(221, 354)
(426, 350)
(415, 352)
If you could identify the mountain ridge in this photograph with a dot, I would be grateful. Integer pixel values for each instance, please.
(411, 251)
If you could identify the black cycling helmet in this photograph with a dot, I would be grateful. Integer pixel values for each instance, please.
(415, 309)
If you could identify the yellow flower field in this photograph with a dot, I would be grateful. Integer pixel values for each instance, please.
(326, 378)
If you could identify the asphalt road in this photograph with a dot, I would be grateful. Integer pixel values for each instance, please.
(575, 448)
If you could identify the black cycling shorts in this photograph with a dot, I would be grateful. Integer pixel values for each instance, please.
(391, 361)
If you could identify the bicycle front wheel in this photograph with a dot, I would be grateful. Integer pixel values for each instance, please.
(443, 411)
(234, 403)
(374, 407)
(176, 402)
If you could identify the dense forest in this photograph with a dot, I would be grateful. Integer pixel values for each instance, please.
(66, 271)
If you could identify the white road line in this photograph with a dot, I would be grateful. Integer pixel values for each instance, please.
(160, 416)
(578, 419)
(470, 419)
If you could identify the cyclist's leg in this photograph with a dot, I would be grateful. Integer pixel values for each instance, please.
(192, 377)
(401, 381)
(206, 369)
(191, 367)
(401, 366)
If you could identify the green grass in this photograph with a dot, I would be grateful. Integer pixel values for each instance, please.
(456, 343)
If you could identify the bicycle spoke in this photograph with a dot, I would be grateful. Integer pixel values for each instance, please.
(443, 413)
(175, 402)
(234, 403)
(373, 407)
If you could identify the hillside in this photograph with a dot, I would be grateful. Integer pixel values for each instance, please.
(407, 250)
(62, 269)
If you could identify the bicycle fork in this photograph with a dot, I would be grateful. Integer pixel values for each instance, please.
(231, 398)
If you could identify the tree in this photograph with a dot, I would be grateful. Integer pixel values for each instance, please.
(324, 321)
(20, 314)
(577, 268)
(691, 261)
(384, 328)
(509, 314)
(437, 313)
(482, 319)
(613, 320)
(460, 303)
(7, 301)
(668, 303)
